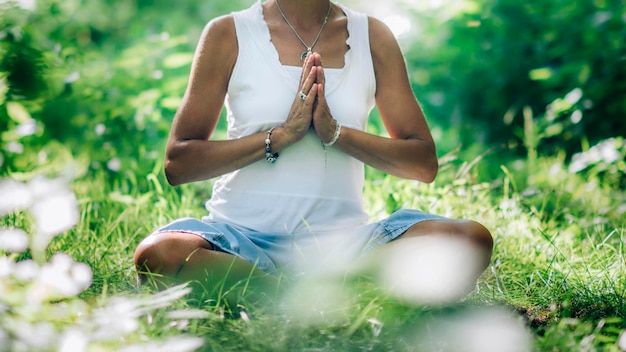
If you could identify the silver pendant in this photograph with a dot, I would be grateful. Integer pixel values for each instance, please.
(305, 53)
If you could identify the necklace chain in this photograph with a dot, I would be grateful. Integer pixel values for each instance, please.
(317, 37)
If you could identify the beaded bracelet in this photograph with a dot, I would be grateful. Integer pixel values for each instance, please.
(269, 156)
(335, 136)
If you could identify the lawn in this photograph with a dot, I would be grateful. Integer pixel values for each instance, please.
(529, 125)
(556, 281)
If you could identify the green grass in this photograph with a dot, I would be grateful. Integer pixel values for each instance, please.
(558, 267)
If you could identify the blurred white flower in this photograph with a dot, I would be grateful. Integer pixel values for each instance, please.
(73, 340)
(50, 201)
(188, 314)
(477, 331)
(15, 147)
(26, 128)
(82, 275)
(33, 337)
(376, 325)
(72, 77)
(25, 4)
(7, 266)
(42, 187)
(605, 151)
(26, 270)
(14, 196)
(53, 214)
(430, 270)
(13, 240)
(316, 300)
(100, 129)
(65, 277)
(114, 164)
(622, 341)
(116, 319)
(174, 344)
(574, 96)
(576, 117)
(4, 340)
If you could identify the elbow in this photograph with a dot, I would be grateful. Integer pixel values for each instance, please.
(430, 172)
(171, 173)
(432, 166)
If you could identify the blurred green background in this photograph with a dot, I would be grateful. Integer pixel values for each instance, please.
(103, 79)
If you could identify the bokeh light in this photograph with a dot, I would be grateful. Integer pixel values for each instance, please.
(429, 270)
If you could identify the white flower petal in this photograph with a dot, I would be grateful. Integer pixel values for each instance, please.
(54, 215)
(27, 128)
(622, 341)
(7, 267)
(4, 340)
(430, 270)
(81, 275)
(61, 262)
(14, 195)
(114, 164)
(188, 314)
(73, 340)
(13, 240)
(26, 270)
(42, 187)
(174, 344)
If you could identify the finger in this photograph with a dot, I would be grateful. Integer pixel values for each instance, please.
(310, 99)
(317, 59)
(321, 98)
(309, 82)
(320, 77)
(307, 66)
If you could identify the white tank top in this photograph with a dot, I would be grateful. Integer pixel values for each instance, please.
(307, 189)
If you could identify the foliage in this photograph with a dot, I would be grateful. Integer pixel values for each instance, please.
(479, 66)
(526, 103)
(38, 297)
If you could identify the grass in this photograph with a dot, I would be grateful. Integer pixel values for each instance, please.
(558, 269)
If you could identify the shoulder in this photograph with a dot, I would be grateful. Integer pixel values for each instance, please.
(220, 30)
(382, 40)
(218, 46)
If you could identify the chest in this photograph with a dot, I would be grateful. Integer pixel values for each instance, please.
(331, 44)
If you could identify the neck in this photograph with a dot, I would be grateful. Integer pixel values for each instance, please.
(305, 14)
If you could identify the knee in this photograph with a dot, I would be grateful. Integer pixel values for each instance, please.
(480, 236)
(152, 256)
(163, 253)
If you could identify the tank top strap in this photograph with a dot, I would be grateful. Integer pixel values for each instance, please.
(358, 40)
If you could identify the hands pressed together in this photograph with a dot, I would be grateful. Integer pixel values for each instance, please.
(310, 108)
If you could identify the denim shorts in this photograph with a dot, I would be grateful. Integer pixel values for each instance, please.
(282, 253)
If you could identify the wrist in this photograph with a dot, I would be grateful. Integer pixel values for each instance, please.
(336, 132)
(285, 136)
(270, 153)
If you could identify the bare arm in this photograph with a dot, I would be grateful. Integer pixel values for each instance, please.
(410, 152)
(190, 155)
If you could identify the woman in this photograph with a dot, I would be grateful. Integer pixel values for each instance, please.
(299, 78)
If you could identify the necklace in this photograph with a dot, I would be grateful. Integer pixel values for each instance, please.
(308, 48)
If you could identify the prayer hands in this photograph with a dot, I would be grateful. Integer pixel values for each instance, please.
(310, 108)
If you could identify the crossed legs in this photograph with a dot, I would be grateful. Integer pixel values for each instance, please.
(173, 257)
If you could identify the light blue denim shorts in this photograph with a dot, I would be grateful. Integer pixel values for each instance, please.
(276, 253)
